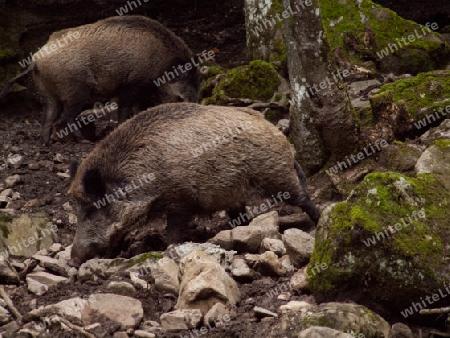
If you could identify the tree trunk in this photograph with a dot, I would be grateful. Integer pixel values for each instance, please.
(322, 123)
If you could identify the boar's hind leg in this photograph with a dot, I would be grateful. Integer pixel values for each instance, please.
(177, 224)
(303, 200)
(51, 112)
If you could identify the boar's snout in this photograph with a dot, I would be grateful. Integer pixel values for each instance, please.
(82, 252)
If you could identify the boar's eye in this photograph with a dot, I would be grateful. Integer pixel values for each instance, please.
(93, 184)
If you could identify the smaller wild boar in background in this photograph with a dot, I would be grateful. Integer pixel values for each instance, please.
(116, 57)
(151, 164)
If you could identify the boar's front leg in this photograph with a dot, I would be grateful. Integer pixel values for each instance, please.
(51, 112)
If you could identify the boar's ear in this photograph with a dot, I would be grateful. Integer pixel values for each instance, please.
(73, 167)
(93, 183)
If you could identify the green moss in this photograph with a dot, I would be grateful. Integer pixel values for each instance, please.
(256, 81)
(442, 143)
(315, 320)
(360, 29)
(149, 255)
(380, 201)
(277, 97)
(420, 95)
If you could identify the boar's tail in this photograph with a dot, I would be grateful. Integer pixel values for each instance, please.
(15, 79)
(301, 175)
(305, 201)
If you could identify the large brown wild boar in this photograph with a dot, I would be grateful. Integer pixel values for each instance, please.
(116, 57)
(152, 163)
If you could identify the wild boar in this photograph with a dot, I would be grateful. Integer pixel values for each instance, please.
(151, 164)
(117, 57)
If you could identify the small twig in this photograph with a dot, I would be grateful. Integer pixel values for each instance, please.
(9, 303)
(433, 311)
(76, 328)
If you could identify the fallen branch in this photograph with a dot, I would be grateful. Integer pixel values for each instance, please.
(9, 303)
(434, 311)
(76, 328)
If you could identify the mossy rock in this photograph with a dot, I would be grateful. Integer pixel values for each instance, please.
(410, 261)
(359, 30)
(349, 318)
(409, 107)
(420, 95)
(256, 81)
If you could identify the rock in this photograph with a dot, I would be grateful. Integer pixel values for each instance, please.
(274, 245)
(261, 312)
(5, 316)
(241, 272)
(399, 157)
(266, 264)
(283, 125)
(58, 158)
(15, 196)
(299, 221)
(223, 257)
(121, 288)
(297, 307)
(33, 165)
(389, 230)
(400, 330)
(286, 263)
(441, 132)
(126, 311)
(360, 88)
(224, 239)
(144, 334)
(9, 329)
(67, 207)
(435, 160)
(217, 312)
(12, 181)
(323, 332)
(284, 296)
(6, 193)
(107, 267)
(27, 234)
(134, 276)
(15, 161)
(33, 203)
(204, 283)
(8, 275)
(72, 218)
(299, 281)
(299, 246)
(63, 175)
(344, 317)
(59, 266)
(181, 319)
(70, 309)
(249, 238)
(166, 272)
(55, 248)
(39, 282)
(120, 334)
